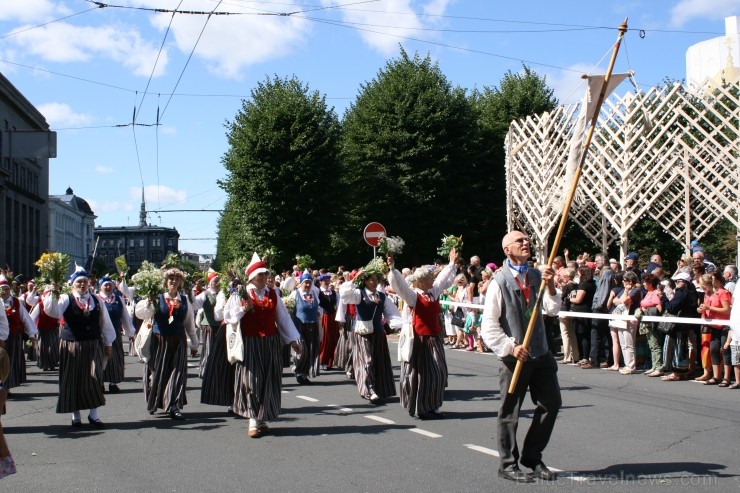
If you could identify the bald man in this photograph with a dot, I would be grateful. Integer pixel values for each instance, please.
(509, 304)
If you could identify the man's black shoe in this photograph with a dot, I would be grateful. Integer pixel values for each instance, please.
(431, 415)
(541, 471)
(516, 475)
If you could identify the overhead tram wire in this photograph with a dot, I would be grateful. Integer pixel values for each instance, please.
(187, 62)
(47, 23)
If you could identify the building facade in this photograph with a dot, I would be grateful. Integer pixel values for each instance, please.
(26, 145)
(71, 227)
(715, 61)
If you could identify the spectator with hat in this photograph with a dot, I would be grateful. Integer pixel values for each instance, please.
(631, 264)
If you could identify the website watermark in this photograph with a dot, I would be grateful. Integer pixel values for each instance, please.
(626, 478)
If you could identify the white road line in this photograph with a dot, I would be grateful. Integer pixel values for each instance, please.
(484, 450)
(343, 409)
(306, 398)
(425, 433)
(381, 420)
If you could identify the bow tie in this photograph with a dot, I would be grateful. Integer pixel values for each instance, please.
(521, 269)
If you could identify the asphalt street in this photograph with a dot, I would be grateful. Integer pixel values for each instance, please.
(615, 433)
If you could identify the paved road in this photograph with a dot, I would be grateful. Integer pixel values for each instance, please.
(615, 432)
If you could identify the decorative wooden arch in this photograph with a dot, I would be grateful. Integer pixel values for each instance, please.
(667, 154)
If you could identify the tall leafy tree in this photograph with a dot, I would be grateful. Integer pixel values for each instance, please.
(281, 162)
(518, 95)
(406, 156)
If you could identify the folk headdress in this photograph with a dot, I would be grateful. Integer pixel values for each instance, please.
(79, 273)
(256, 266)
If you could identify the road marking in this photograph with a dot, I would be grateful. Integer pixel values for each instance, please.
(306, 398)
(478, 448)
(381, 420)
(343, 409)
(425, 433)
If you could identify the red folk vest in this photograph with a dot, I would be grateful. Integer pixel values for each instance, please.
(14, 317)
(260, 322)
(46, 323)
(426, 316)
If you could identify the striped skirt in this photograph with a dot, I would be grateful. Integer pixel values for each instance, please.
(16, 352)
(423, 379)
(80, 375)
(372, 364)
(114, 369)
(343, 352)
(48, 349)
(166, 373)
(208, 333)
(329, 340)
(259, 379)
(307, 363)
(217, 388)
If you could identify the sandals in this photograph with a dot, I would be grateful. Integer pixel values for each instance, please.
(711, 381)
(671, 378)
(724, 383)
(734, 386)
(702, 378)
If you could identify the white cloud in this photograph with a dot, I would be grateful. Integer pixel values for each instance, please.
(61, 115)
(60, 42)
(232, 43)
(103, 170)
(436, 7)
(35, 11)
(688, 10)
(168, 130)
(161, 194)
(568, 84)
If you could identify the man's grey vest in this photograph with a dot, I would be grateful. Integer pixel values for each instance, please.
(512, 318)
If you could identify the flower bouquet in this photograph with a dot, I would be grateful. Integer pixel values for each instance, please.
(121, 265)
(149, 281)
(304, 262)
(233, 274)
(391, 245)
(376, 267)
(448, 243)
(53, 269)
(289, 302)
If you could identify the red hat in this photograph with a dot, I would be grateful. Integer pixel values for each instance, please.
(256, 266)
(211, 275)
(4, 280)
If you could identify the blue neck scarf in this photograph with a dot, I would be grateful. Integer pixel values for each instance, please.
(521, 269)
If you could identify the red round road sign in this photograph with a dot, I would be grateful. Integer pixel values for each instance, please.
(372, 234)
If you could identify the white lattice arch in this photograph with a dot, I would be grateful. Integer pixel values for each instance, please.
(665, 154)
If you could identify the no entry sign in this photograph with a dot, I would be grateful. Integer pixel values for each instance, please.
(373, 233)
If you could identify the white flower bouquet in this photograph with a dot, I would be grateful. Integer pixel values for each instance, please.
(391, 245)
(448, 243)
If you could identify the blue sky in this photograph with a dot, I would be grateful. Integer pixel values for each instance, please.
(88, 68)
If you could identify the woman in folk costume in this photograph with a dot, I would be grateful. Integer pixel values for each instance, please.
(307, 313)
(86, 336)
(346, 318)
(19, 321)
(217, 373)
(48, 342)
(424, 377)
(121, 320)
(328, 300)
(165, 374)
(7, 465)
(265, 326)
(371, 358)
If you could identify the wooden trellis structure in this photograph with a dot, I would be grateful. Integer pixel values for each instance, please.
(666, 154)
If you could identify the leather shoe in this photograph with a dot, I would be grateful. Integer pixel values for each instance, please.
(95, 422)
(76, 423)
(113, 389)
(176, 414)
(431, 415)
(541, 471)
(516, 475)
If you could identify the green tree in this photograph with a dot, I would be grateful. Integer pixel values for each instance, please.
(406, 155)
(283, 174)
(518, 95)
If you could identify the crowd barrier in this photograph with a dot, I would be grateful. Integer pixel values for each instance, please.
(608, 316)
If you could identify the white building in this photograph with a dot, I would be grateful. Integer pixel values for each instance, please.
(71, 227)
(716, 60)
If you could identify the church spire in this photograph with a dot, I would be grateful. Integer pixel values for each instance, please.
(142, 213)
